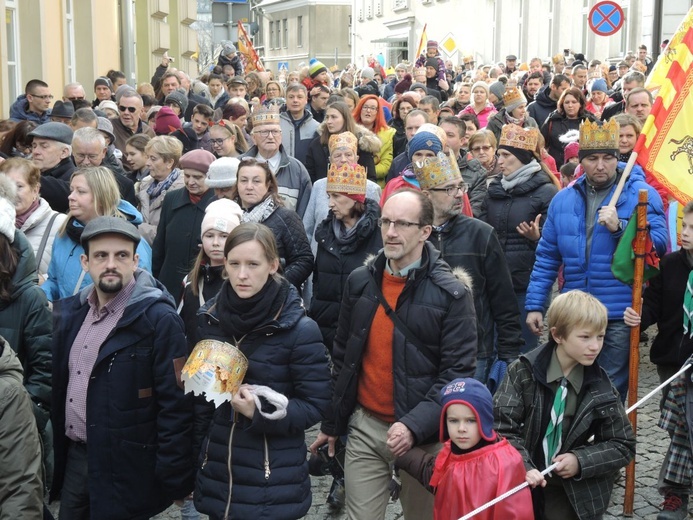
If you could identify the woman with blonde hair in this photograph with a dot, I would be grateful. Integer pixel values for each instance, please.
(93, 193)
(163, 153)
(227, 139)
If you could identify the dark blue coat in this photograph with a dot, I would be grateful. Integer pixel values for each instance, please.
(267, 458)
(139, 423)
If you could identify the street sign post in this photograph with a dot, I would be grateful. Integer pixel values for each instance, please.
(606, 18)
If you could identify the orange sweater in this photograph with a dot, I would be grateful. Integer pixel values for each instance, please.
(376, 385)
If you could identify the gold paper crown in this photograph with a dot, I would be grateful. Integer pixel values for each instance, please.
(266, 116)
(434, 171)
(558, 58)
(347, 178)
(595, 136)
(513, 95)
(343, 140)
(518, 137)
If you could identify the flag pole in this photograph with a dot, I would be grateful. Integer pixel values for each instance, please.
(634, 359)
(421, 41)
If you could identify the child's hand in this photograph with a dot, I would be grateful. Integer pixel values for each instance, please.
(568, 465)
(534, 478)
(630, 317)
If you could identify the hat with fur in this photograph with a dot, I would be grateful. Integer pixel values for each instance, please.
(8, 196)
(222, 173)
(476, 396)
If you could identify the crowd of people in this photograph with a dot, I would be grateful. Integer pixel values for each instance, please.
(382, 248)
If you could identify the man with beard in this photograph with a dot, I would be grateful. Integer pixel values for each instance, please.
(123, 426)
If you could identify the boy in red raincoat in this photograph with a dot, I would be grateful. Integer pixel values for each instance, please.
(475, 465)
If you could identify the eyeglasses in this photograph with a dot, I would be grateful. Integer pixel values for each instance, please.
(267, 133)
(79, 157)
(369, 109)
(485, 148)
(452, 190)
(76, 98)
(399, 224)
(44, 97)
(218, 142)
(132, 110)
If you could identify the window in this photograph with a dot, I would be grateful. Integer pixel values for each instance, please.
(69, 42)
(299, 35)
(285, 35)
(271, 40)
(11, 27)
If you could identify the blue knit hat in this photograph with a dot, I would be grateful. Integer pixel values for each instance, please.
(424, 141)
(600, 85)
(476, 396)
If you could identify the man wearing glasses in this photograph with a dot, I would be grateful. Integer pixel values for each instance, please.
(74, 92)
(406, 328)
(472, 245)
(128, 122)
(34, 104)
(292, 177)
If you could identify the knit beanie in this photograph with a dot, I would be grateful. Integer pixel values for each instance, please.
(228, 49)
(367, 72)
(432, 62)
(166, 121)
(424, 141)
(315, 67)
(431, 43)
(199, 160)
(497, 89)
(512, 99)
(222, 215)
(482, 84)
(414, 86)
(103, 82)
(404, 84)
(222, 173)
(571, 150)
(8, 196)
(179, 98)
(599, 84)
(476, 396)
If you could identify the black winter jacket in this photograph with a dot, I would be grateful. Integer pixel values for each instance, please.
(177, 241)
(139, 421)
(507, 210)
(55, 184)
(399, 141)
(334, 263)
(474, 176)
(662, 305)
(212, 279)
(267, 459)
(294, 248)
(542, 106)
(555, 126)
(439, 311)
(25, 322)
(473, 245)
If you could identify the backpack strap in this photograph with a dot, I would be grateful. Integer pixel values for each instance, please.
(44, 241)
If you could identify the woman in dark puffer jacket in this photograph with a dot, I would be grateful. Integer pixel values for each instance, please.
(345, 239)
(516, 205)
(253, 466)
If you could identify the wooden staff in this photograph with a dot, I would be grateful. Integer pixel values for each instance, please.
(621, 183)
(634, 362)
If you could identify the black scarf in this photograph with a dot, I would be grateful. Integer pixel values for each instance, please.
(74, 229)
(239, 316)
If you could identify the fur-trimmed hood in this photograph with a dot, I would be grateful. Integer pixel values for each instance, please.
(368, 141)
(460, 273)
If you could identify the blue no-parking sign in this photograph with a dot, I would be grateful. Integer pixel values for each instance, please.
(606, 18)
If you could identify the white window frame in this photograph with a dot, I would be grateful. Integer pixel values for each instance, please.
(299, 34)
(70, 56)
(14, 88)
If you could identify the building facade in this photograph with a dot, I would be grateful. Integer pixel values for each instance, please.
(491, 29)
(63, 41)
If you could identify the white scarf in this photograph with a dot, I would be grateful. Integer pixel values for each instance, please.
(520, 175)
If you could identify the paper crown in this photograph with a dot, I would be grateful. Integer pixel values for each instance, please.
(347, 178)
(266, 116)
(434, 171)
(595, 136)
(512, 96)
(343, 140)
(517, 137)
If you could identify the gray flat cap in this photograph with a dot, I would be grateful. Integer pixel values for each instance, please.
(110, 225)
(54, 131)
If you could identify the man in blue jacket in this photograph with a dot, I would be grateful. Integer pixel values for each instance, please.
(582, 231)
(123, 427)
